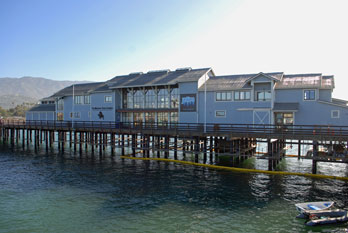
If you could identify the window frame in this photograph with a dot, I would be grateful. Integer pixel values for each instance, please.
(309, 90)
(221, 94)
(106, 97)
(338, 114)
(239, 95)
(224, 111)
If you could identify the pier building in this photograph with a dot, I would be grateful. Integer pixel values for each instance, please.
(199, 96)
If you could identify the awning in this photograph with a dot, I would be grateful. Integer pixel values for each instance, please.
(287, 107)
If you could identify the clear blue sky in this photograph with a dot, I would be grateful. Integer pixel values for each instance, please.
(96, 40)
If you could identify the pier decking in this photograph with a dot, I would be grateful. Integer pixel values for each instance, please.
(235, 140)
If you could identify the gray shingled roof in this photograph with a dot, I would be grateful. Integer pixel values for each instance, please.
(43, 108)
(285, 107)
(233, 82)
(300, 81)
(79, 89)
(157, 78)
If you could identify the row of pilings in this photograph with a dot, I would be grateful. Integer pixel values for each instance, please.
(201, 149)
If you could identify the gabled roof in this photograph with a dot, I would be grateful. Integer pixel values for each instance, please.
(157, 78)
(277, 76)
(43, 108)
(234, 82)
(78, 89)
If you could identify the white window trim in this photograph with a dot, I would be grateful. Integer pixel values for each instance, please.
(338, 115)
(220, 111)
(315, 93)
(220, 101)
(108, 101)
(244, 100)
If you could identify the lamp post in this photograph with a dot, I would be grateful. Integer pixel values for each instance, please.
(73, 107)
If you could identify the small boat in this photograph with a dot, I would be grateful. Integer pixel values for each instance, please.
(310, 206)
(324, 217)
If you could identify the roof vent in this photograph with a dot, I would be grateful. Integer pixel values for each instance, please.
(158, 71)
(184, 69)
(136, 73)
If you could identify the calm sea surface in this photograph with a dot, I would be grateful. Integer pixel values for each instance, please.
(49, 192)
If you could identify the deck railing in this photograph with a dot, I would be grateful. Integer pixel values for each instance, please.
(247, 129)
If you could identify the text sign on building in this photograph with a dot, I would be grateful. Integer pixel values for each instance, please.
(188, 102)
(102, 108)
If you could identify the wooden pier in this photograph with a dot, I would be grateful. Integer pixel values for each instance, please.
(203, 142)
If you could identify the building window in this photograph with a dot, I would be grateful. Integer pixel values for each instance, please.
(174, 117)
(241, 95)
(78, 99)
(220, 113)
(60, 116)
(150, 117)
(263, 95)
(128, 99)
(163, 98)
(139, 99)
(150, 99)
(162, 118)
(335, 113)
(309, 95)
(286, 118)
(223, 96)
(108, 99)
(138, 118)
(174, 98)
(127, 117)
(75, 116)
(60, 106)
(87, 99)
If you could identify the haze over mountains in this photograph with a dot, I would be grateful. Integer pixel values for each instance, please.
(15, 91)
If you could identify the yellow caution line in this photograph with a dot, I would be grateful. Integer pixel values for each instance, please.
(236, 169)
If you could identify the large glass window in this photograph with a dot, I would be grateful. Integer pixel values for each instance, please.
(78, 99)
(139, 99)
(150, 117)
(241, 95)
(60, 104)
(127, 117)
(174, 95)
(162, 118)
(309, 95)
(138, 118)
(174, 117)
(87, 99)
(224, 96)
(150, 99)
(128, 99)
(263, 96)
(163, 98)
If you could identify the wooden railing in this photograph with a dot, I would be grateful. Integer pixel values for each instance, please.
(247, 129)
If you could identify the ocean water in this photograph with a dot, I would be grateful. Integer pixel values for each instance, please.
(49, 192)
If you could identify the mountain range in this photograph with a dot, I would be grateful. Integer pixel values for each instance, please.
(16, 91)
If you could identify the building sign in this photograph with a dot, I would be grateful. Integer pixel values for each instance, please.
(188, 102)
(102, 108)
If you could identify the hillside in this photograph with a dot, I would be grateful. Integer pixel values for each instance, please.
(15, 91)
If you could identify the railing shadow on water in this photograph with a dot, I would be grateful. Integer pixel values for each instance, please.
(209, 128)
